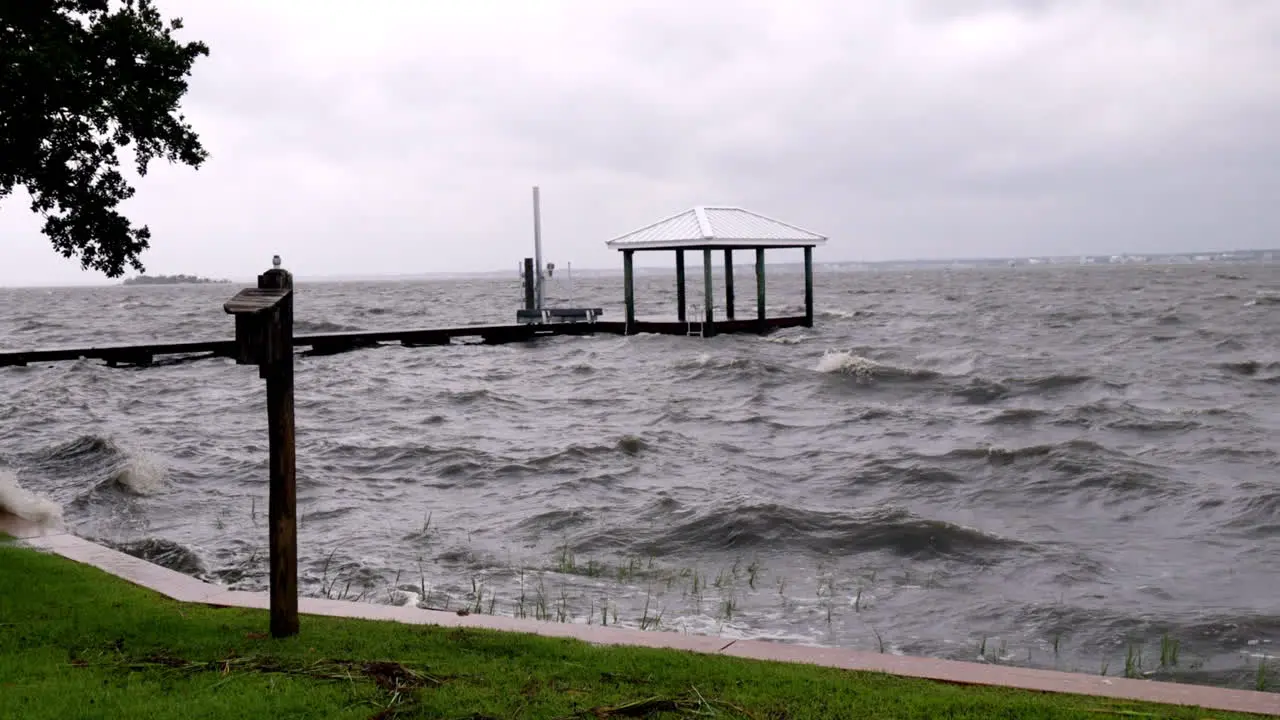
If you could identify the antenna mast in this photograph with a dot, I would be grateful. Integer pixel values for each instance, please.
(537, 247)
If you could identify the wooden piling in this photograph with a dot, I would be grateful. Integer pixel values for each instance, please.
(709, 295)
(281, 510)
(680, 296)
(808, 286)
(760, 286)
(628, 281)
(530, 300)
(728, 283)
(264, 337)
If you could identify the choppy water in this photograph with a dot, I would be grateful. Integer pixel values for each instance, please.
(1052, 464)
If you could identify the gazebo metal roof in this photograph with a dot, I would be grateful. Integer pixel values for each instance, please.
(705, 227)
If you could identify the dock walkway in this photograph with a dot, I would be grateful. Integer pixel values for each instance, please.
(331, 343)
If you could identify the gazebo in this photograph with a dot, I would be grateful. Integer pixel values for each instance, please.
(707, 229)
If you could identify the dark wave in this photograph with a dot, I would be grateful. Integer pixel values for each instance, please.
(555, 522)
(1074, 467)
(1051, 382)
(83, 449)
(783, 528)
(165, 553)
(1018, 416)
(579, 454)
(36, 325)
(478, 396)
(1249, 367)
(983, 391)
(1258, 516)
(303, 326)
(1128, 417)
(910, 474)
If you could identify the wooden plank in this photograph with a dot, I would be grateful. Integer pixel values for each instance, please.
(255, 300)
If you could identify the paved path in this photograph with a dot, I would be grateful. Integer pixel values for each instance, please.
(185, 588)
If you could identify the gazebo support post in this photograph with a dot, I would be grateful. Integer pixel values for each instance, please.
(680, 298)
(728, 284)
(808, 286)
(760, 318)
(709, 323)
(628, 282)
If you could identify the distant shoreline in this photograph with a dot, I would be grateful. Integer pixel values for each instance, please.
(172, 280)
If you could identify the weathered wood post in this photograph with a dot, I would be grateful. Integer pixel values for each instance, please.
(529, 300)
(728, 283)
(760, 287)
(629, 287)
(264, 337)
(709, 295)
(680, 297)
(808, 286)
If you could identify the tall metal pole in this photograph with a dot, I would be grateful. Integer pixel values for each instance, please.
(537, 247)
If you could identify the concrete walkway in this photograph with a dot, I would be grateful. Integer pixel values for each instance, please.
(188, 589)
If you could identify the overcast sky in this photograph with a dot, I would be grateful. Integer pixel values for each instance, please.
(405, 136)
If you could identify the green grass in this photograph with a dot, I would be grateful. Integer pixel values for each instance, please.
(78, 643)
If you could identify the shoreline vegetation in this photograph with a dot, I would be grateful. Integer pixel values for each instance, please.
(570, 588)
(172, 280)
(82, 641)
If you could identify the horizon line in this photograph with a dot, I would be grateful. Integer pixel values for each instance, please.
(359, 277)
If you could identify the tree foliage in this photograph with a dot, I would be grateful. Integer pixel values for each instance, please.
(80, 81)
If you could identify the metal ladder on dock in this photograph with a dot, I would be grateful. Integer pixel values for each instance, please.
(689, 331)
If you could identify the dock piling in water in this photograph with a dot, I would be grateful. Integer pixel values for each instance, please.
(530, 292)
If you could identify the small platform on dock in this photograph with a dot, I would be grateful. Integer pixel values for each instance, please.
(550, 316)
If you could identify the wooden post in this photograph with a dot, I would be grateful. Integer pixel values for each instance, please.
(709, 295)
(529, 299)
(281, 504)
(728, 283)
(264, 336)
(628, 281)
(808, 286)
(680, 298)
(760, 287)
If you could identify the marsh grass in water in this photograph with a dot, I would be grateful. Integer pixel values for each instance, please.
(82, 643)
(641, 591)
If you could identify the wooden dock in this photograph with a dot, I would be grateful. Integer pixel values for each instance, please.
(705, 229)
(331, 343)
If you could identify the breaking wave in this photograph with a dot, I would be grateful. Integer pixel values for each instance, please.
(16, 500)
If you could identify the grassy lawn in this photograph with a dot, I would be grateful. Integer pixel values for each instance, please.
(78, 643)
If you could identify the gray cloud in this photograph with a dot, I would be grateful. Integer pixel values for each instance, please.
(404, 136)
